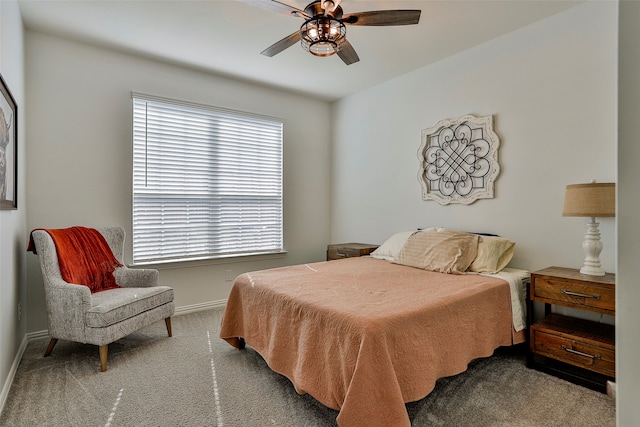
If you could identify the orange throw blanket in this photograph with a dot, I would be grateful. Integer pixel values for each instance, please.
(84, 257)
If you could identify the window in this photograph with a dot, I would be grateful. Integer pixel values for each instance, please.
(207, 182)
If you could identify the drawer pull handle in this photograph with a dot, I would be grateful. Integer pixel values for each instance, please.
(341, 254)
(579, 353)
(576, 294)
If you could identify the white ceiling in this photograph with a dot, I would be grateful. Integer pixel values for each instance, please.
(226, 36)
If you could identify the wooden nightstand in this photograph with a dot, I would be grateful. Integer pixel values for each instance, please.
(578, 350)
(349, 250)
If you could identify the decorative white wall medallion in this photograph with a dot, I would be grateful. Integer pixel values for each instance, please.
(459, 160)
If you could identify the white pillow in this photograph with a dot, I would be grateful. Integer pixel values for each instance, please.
(390, 249)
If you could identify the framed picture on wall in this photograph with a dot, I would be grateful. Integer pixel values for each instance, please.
(8, 149)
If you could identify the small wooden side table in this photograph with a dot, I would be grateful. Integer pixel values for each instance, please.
(578, 350)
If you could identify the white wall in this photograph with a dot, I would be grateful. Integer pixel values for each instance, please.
(12, 222)
(80, 155)
(628, 288)
(552, 90)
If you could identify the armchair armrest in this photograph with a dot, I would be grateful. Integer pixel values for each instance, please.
(136, 278)
(66, 306)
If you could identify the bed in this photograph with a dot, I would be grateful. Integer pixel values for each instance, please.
(366, 335)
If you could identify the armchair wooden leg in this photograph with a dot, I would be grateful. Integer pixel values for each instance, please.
(104, 349)
(167, 322)
(49, 349)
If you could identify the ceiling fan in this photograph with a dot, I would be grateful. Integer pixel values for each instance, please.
(323, 32)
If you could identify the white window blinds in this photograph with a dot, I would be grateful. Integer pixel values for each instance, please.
(207, 182)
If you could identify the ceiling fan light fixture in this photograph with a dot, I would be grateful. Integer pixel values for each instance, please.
(324, 30)
(322, 36)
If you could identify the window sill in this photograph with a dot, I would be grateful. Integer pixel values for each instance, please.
(213, 260)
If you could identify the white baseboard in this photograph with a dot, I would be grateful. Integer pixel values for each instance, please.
(201, 306)
(12, 373)
(612, 389)
(31, 336)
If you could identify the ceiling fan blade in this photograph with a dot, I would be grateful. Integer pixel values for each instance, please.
(348, 54)
(276, 6)
(383, 17)
(281, 45)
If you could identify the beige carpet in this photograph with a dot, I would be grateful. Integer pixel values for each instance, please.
(196, 379)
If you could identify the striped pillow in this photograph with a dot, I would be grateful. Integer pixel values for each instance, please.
(444, 251)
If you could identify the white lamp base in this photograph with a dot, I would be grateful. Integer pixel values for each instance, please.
(592, 247)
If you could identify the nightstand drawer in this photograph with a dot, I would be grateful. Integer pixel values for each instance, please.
(349, 250)
(575, 352)
(579, 295)
(579, 342)
(344, 252)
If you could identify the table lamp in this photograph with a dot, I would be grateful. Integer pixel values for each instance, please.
(591, 200)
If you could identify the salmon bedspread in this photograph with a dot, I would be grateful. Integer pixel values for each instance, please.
(364, 336)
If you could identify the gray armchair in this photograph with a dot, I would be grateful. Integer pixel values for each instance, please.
(74, 314)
